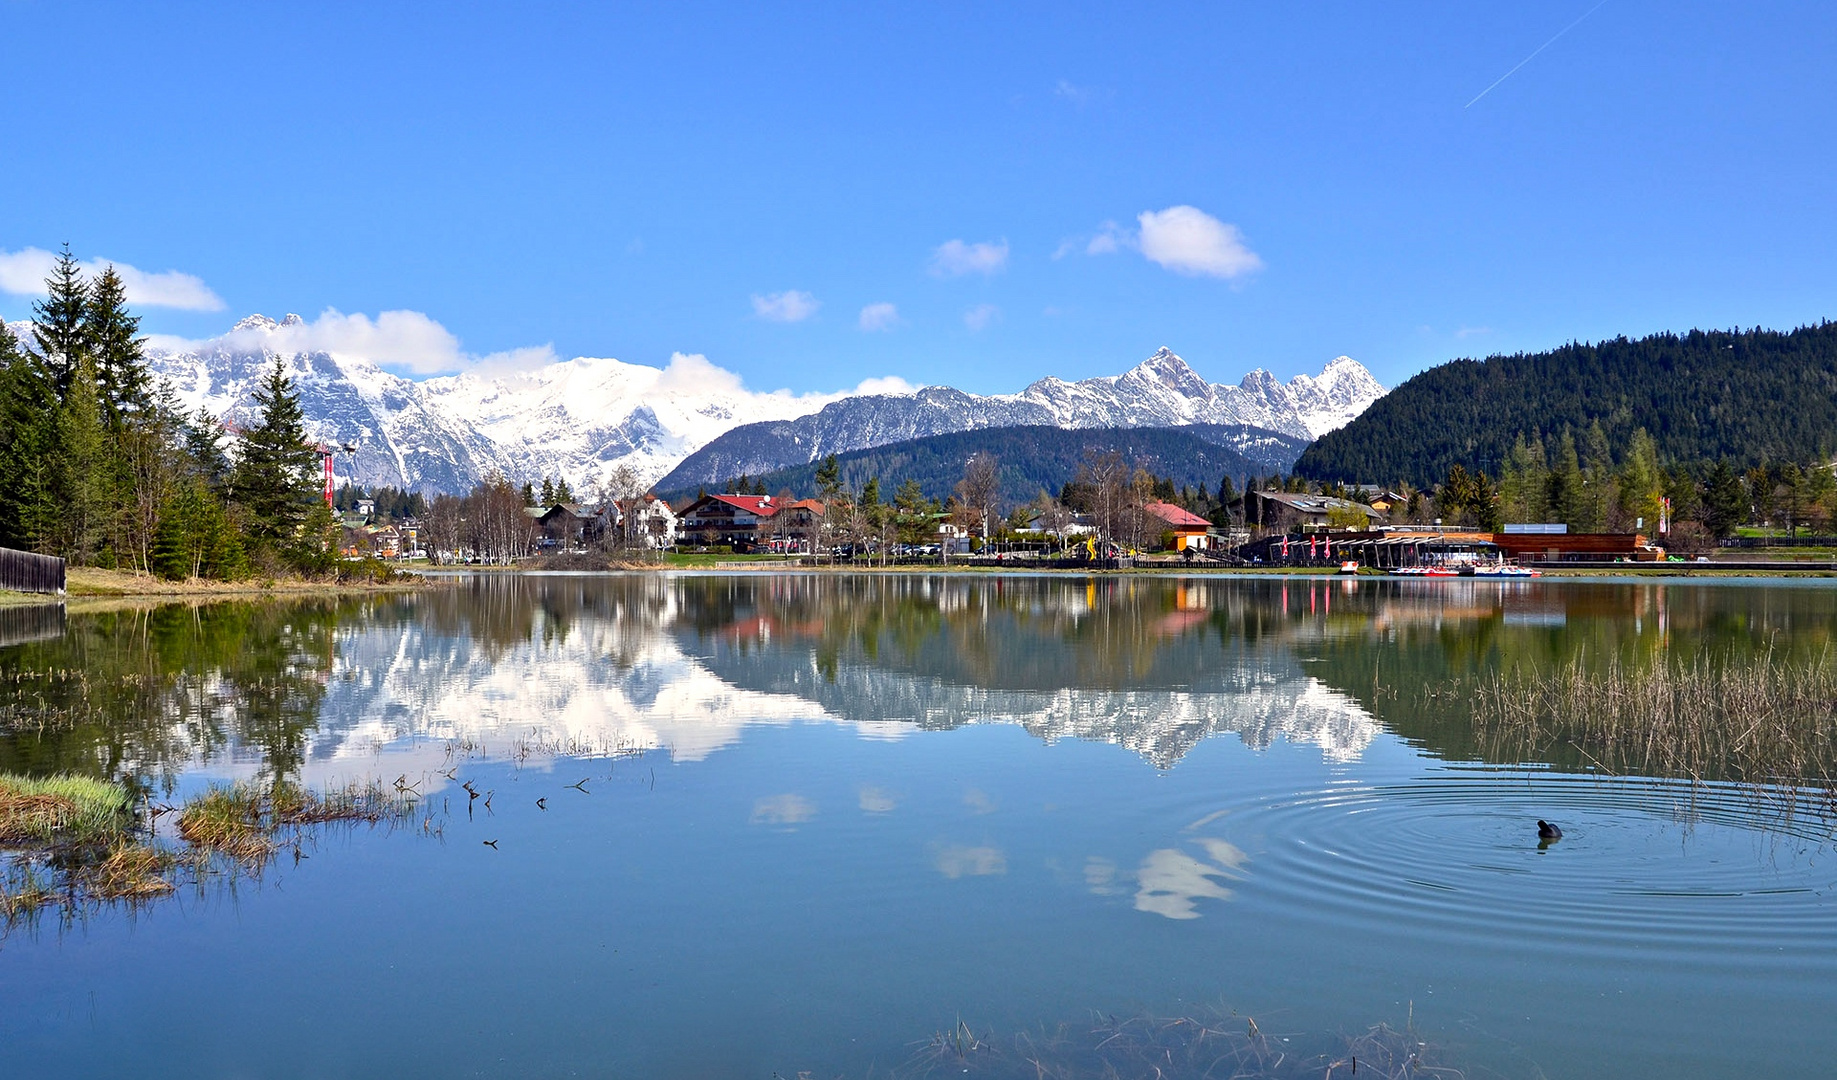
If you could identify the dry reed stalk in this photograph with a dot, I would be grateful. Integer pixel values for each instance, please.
(1771, 723)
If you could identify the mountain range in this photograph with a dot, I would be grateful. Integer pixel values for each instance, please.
(1161, 391)
(1041, 458)
(581, 419)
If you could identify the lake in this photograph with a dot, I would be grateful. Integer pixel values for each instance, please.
(761, 825)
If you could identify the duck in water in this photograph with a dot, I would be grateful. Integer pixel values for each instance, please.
(1547, 831)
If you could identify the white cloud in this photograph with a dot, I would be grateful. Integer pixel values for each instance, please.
(1075, 94)
(783, 810)
(980, 316)
(695, 372)
(954, 258)
(957, 861)
(23, 273)
(881, 316)
(1466, 332)
(788, 306)
(891, 385)
(1110, 239)
(406, 341)
(1190, 241)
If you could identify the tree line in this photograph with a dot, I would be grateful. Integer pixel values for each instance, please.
(1747, 396)
(101, 465)
(1589, 485)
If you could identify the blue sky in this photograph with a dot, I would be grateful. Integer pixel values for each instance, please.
(749, 182)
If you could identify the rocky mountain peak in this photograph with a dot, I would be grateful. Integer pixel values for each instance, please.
(1166, 369)
(255, 322)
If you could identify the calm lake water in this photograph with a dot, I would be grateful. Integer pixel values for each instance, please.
(825, 817)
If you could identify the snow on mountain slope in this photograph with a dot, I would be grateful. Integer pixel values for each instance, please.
(582, 419)
(1161, 391)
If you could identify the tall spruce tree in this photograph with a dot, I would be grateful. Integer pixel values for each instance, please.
(1725, 504)
(274, 481)
(121, 368)
(82, 473)
(1566, 498)
(61, 332)
(28, 412)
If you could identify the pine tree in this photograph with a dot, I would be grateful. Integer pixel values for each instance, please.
(1524, 483)
(61, 334)
(1725, 504)
(548, 492)
(201, 435)
(274, 480)
(81, 473)
(121, 369)
(28, 411)
(1565, 501)
(563, 493)
(829, 479)
(1598, 476)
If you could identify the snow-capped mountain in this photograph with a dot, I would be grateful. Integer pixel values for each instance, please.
(582, 419)
(579, 419)
(1161, 391)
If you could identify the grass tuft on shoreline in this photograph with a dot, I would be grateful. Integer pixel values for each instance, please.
(63, 808)
(74, 841)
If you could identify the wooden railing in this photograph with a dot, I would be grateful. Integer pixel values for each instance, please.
(22, 571)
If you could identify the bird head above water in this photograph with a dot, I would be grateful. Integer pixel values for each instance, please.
(1547, 831)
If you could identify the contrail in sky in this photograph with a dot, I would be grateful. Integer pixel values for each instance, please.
(1534, 53)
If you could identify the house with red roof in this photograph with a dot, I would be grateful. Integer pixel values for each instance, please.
(741, 521)
(1189, 529)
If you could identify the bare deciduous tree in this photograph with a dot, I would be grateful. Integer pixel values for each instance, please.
(978, 489)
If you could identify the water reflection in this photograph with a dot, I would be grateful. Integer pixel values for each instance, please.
(1173, 881)
(595, 663)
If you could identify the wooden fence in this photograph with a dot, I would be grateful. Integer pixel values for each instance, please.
(23, 571)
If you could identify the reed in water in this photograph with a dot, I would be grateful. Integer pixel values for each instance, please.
(1765, 721)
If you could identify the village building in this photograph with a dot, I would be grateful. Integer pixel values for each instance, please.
(740, 521)
(564, 525)
(796, 526)
(1380, 499)
(1282, 510)
(1186, 529)
(646, 521)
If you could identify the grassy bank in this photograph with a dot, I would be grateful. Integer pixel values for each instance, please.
(75, 841)
(89, 581)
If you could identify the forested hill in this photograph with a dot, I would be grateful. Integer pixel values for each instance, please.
(1745, 395)
(1034, 457)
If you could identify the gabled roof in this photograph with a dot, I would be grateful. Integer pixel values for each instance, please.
(760, 505)
(1315, 504)
(1176, 516)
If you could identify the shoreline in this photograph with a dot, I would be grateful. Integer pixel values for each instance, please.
(90, 589)
(730, 565)
(85, 584)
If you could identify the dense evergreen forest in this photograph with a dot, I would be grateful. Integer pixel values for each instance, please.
(1744, 397)
(100, 465)
(1032, 459)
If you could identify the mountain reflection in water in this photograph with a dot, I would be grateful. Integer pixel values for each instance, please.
(589, 664)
